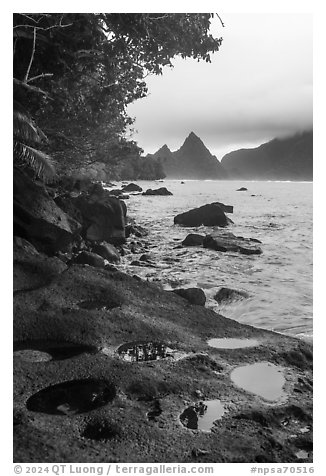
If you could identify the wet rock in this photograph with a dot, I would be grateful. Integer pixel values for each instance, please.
(92, 259)
(228, 295)
(158, 191)
(193, 295)
(212, 214)
(242, 189)
(148, 258)
(132, 187)
(193, 239)
(228, 242)
(107, 251)
(72, 397)
(39, 219)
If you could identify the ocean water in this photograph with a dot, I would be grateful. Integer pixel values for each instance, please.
(279, 281)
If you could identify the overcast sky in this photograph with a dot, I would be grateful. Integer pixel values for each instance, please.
(258, 86)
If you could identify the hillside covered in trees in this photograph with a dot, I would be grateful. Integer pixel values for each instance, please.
(76, 73)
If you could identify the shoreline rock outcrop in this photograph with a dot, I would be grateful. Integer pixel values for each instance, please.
(93, 405)
(212, 214)
(229, 242)
(157, 191)
(100, 309)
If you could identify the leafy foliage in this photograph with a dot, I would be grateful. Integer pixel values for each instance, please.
(26, 132)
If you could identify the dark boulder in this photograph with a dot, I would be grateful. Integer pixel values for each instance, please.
(102, 216)
(39, 219)
(158, 191)
(193, 239)
(242, 189)
(227, 295)
(132, 187)
(193, 295)
(229, 242)
(92, 259)
(107, 251)
(211, 214)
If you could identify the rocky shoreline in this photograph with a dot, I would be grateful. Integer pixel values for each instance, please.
(79, 397)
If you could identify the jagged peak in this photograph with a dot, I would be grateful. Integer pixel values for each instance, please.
(165, 147)
(192, 136)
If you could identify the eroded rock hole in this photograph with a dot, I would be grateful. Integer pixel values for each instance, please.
(72, 397)
(262, 378)
(202, 415)
(143, 351)
(43, 351)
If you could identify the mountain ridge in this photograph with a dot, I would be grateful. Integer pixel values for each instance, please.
(289, 158)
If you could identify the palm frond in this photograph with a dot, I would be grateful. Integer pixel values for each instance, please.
(41, 163)
(25, 130)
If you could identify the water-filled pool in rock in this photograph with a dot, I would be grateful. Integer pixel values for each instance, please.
(72, 397)
(232, 343)
(143, 351)
(262, 378)
(201, 415)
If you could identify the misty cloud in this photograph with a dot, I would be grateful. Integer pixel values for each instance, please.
(258, 86)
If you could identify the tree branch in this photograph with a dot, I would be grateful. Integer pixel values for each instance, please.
(218, 16)
(43, 75)
(31, 88)
(32, 57)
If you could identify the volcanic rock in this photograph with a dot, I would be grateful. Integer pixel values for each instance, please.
(209, 215)
(193, 239)
(38, 218)
(227, 294)
(229, 242)
(193, 295)
(158, 191)
(107, 251)
(92, 259)
(132, 187)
